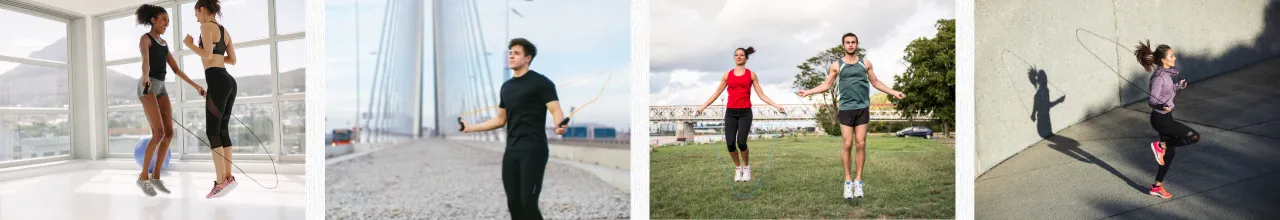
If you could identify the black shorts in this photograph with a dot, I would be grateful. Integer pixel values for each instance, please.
(853, 118)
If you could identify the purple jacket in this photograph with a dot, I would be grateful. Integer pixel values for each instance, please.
(1163, 89)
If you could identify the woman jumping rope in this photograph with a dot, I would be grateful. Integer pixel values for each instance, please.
(854, 76)
(215, 54)
(737, 114)
(1165, 83)
(155, 99)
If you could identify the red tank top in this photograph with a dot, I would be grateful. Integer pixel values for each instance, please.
(739, 90)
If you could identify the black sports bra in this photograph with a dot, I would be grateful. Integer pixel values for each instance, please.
(220, 47)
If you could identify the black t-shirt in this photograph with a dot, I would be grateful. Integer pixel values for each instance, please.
(525, 98)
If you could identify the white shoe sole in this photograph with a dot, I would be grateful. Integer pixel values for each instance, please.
(225, 190)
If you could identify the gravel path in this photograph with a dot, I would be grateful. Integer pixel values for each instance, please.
(436, 179)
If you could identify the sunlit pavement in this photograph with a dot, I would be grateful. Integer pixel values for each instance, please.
(1103, 167)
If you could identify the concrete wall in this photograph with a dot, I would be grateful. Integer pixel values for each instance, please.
(1080, 50)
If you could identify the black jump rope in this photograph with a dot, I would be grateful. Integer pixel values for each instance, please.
(209, 104)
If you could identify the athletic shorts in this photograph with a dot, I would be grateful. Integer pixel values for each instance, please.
(157, 88)
(853, 118)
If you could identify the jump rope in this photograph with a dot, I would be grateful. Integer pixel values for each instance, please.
(1135, 85)
(209, 105)
(724, 166)
(564, 123)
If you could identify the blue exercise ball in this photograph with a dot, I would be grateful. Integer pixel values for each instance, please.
(141, 150)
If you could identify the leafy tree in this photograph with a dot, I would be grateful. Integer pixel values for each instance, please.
(930, 80)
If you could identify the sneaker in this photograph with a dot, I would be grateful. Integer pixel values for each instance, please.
(1158, 152)
(857, 189)
(159, 185)
(1159, 191)
(145, 185)
(737, 174)
(214, 192)
(848, 190)
(746, 174)
(231, 184)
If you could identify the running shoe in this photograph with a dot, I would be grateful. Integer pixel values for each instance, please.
(737, 174)
(159, 185)
(145, 185)
(1158, 152)
(746, 174)
(231, 184)
(217, 191)
(857, 189)
(1159, 191)
(848, 190)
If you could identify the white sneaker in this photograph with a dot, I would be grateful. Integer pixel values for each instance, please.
(857, 189)
(848, 190)
(746, 174)
(737, 174)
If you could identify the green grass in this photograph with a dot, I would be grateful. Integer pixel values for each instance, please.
(905, 178)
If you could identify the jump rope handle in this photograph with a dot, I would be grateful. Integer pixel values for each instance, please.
(564, 123)
(460, 125)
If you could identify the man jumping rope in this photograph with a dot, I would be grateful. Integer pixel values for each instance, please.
(855, 75)
(527, 96)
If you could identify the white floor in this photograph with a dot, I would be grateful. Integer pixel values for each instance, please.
(111, 194)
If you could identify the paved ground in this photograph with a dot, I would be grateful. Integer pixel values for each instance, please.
(440, 179)
(1102, 168)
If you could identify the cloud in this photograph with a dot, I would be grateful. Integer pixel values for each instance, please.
(700, 36)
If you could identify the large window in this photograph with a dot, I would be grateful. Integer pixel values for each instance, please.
(34, 102)
(270, 76)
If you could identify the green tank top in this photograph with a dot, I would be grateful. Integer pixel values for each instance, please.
(853, 88)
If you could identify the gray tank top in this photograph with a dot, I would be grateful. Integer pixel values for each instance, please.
(853, 87)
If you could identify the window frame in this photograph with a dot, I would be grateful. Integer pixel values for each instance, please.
(67, 21)
(274, 99)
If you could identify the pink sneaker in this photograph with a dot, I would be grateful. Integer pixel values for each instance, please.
(217, 188)
(1158, 152)
(1159, 191)
(231, 184)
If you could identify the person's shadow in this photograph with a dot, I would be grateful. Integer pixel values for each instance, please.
(1044, 126)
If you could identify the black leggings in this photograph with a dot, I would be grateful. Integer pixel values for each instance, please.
(522, 172)
(1174, 135)
(219, 98)
(737, 124)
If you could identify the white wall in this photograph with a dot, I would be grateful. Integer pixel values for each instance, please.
(1084, 47)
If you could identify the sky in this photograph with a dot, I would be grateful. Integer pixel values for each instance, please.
(693, 41)
(575, 39)
(38, 33)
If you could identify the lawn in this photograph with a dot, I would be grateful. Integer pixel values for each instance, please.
(905, 178)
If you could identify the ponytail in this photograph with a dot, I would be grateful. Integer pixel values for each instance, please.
(1150, 59)
(747, 52)
(212, 6)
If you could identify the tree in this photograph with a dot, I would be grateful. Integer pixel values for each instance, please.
(930, 80)
(812, 72)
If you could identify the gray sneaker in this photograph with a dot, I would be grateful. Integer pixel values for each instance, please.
(159, 186)
(145, 185)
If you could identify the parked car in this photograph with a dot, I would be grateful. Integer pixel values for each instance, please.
(917, 131)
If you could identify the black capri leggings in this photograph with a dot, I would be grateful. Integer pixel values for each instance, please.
(1174, 135)
(219, 98)
(737, 124)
